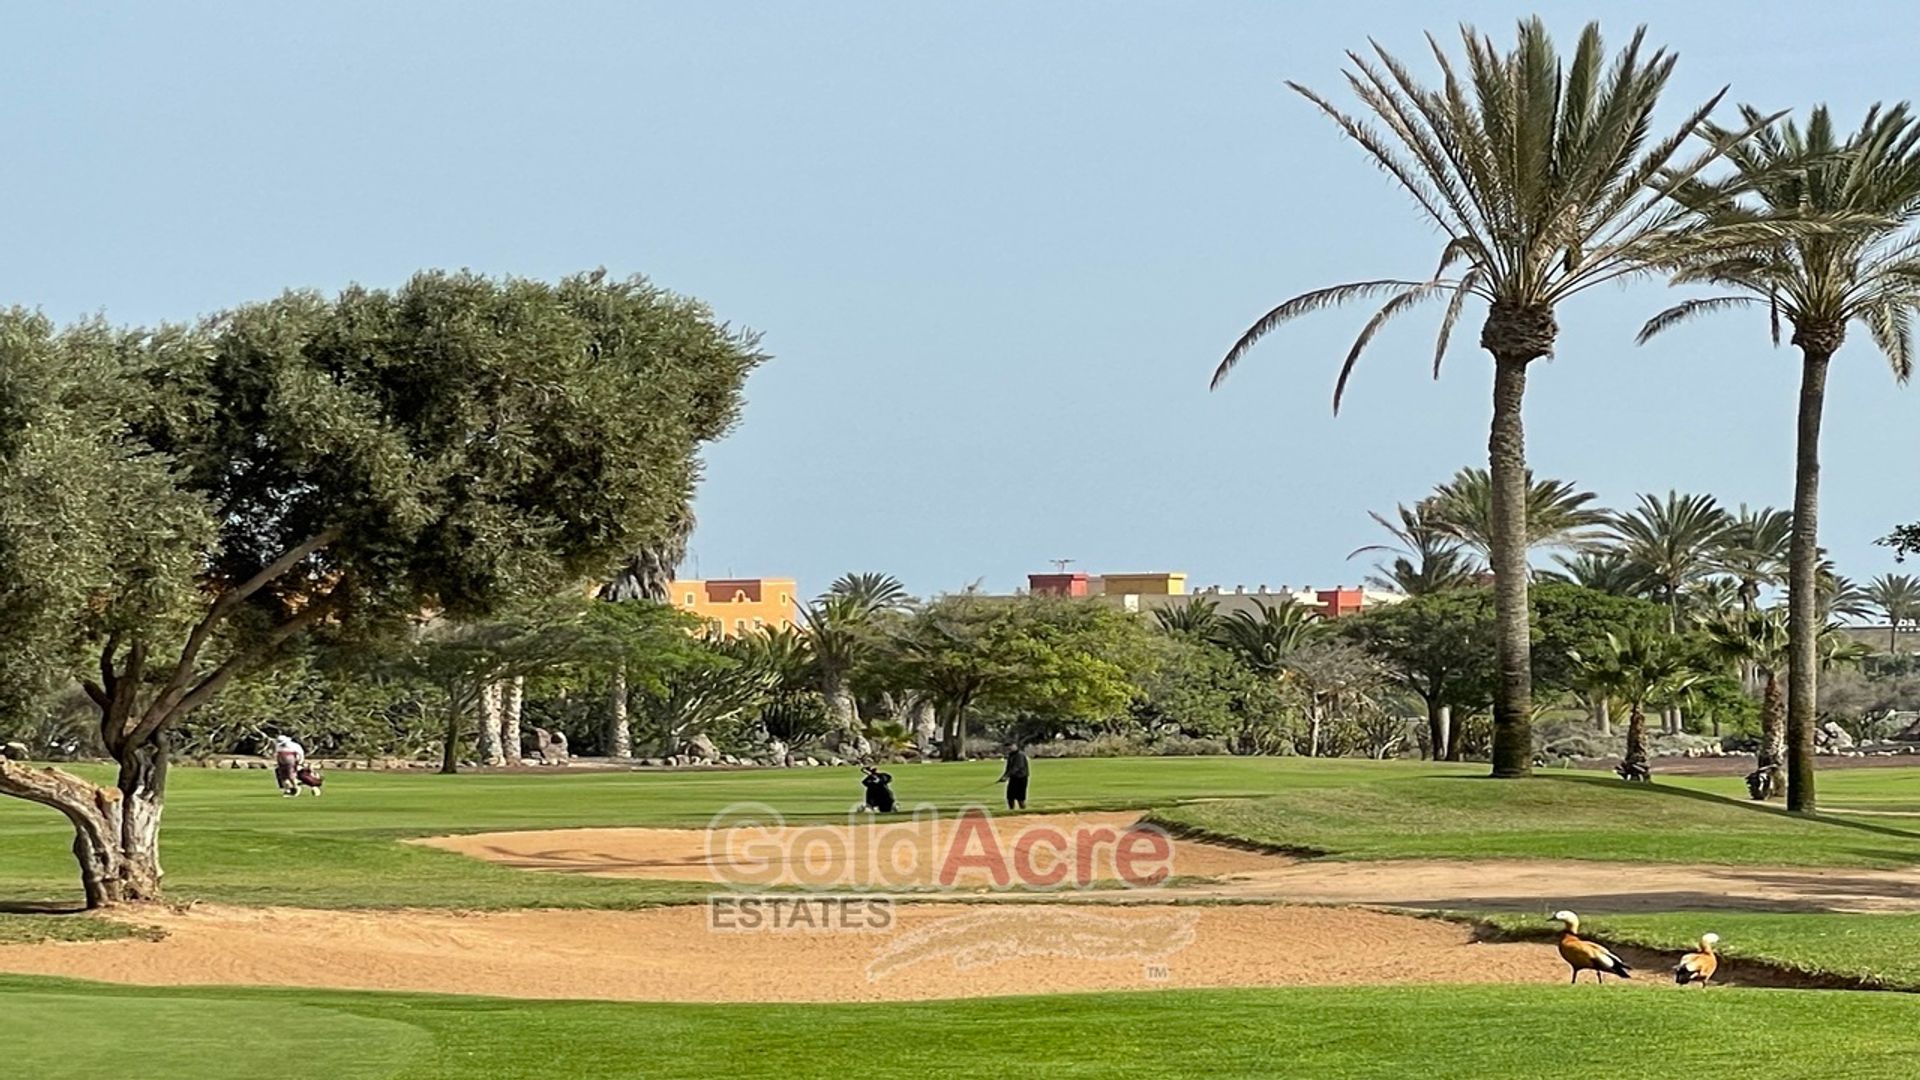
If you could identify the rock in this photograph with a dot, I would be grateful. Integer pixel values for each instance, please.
(701, 747)
(777, 751)
(14, 751)
(810, 763)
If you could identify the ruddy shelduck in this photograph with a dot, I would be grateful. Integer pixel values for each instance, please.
(1583, 955)
(1698, 966)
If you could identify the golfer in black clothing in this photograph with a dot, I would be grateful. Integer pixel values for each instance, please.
(1015, 777)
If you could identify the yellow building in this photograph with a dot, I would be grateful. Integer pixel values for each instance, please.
(736, 606)
(1140, 585)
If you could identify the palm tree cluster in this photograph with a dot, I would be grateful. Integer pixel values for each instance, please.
(1711, 569)
(1544, 176)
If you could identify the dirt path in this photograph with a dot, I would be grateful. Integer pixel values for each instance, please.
(673, 954)
(908, 857)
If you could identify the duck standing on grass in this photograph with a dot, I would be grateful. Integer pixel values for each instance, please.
(1698, 966)
(1583, 955)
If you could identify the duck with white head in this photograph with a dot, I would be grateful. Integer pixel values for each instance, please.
(1583, 955)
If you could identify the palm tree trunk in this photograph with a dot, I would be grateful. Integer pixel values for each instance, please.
(1803, 566)
(1507, 468)
(488, 751)
(619, 732)
(1637, 734)
(1603, 713)
(1773, 727)
(516, 698)
(1456, 735)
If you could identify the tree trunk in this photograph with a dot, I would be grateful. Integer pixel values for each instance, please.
(1803, 566)
(116, 832)
(1773, 731)
(450, 745)
(619, 732)
(510, 719)
(1436, 728)
(1456, 734)
(840, 703)
(953, 743)
(488, 751)
(1603, 712)
(926, 725)
(1507, 465)
(1636, 735)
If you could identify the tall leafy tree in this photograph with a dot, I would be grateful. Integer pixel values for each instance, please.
(336, 467)
(1558, 514)
(1674, 541)
(1440, 647)
(1866, 270)
(1542, 176)
(1897, 596)
(1426, 557)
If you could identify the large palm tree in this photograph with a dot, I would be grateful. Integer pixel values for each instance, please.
(1426, 557)
(1864, 270)
(1756, 641)
(1897, 596)
(1674, 542)
(1540, 174)
(1558, 515)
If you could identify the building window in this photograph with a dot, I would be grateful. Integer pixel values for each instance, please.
(740, 626)
(785, 599)
(785, 625)
(759, 623)
(689, 599)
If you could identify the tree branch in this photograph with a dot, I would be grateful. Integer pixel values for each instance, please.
(176, 686)
(164, 710)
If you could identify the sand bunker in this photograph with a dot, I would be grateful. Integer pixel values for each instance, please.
(675, 954)
(900, 854)
(858, 857)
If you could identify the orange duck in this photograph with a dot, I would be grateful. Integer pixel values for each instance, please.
(1698, 966)
(1583, 955)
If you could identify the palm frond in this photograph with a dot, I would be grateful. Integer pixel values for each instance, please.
(1681, 312)
(1300, 305)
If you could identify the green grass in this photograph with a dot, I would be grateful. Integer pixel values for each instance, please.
(1479, 1032)
(230, 838)
(1567, 816)
(1879, 950)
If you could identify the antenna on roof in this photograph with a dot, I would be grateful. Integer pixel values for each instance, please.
(1061, 565)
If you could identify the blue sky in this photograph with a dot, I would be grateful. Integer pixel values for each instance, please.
(996, 249)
